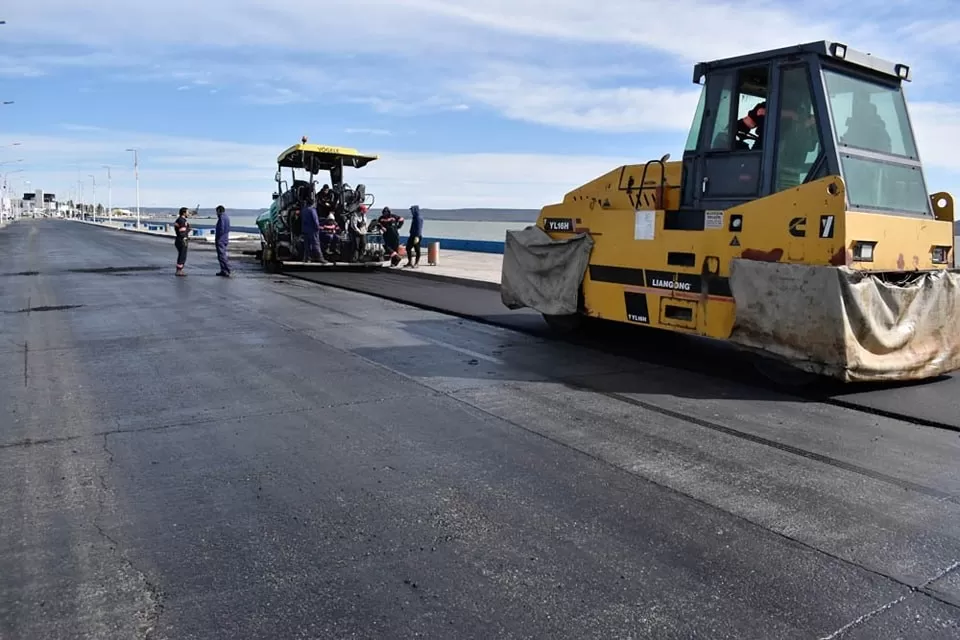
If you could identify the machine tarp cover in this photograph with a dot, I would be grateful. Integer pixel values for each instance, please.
(542, 273)
(846, 324)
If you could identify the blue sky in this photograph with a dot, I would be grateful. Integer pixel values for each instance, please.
(504, 103)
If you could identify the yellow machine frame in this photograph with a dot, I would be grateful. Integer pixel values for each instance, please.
(659, 262)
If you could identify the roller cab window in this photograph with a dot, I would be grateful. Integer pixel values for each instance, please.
(878, 153)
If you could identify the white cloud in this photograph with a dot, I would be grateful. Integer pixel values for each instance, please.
(937, 127)
(368, 132)
(416, 48)
(267, 95)
(611, 66)
(534, 95)
(175, 170)
(393, 104)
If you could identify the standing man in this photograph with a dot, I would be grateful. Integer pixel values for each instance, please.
(416, 235)
(223, 239)
(181, 230)
(310, 231)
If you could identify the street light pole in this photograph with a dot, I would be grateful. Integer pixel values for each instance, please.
(94, 213)
(4, 191)
(136, 174)
(109, 196)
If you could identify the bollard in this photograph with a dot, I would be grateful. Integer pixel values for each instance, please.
(433, 254)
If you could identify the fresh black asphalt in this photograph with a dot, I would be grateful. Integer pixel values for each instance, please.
(264, 457)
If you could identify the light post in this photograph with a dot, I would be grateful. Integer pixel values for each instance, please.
(136, 175)
(26, 184)
(109, 196)
(3, 197)
(94, 205)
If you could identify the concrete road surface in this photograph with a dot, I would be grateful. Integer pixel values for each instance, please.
(264, 457)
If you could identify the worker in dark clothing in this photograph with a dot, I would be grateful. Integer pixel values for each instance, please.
(223, 239)
(416, 235)
(753, 120)
(310, 229)
(324, 201)
(391, 233)
(181, 230)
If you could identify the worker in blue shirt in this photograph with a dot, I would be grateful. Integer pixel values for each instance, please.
(415, 236)
(310, 231)
(223, 239)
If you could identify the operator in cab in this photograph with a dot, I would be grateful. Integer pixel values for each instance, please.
(324, 201)
(310, 230)
(222, 240)
(329, 232)
(753, 120)
(181, 233)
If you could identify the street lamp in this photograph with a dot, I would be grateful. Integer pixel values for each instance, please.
(7, 102)
(136, 174)
(94, 178)
(109, 196)
(3, 198)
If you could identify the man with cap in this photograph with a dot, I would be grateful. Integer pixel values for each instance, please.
(414, 237)
(310, 231)
(223, 239)
(181, 230)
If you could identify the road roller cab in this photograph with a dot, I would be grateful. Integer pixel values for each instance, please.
(797, 224)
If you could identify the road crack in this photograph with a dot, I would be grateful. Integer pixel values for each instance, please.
(32, 442)
(953, 567)
(148, 615)
(867, 616)
(922, 589)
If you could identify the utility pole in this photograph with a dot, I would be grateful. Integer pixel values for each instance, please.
(136, 174)
(109, 196)
(94, 178)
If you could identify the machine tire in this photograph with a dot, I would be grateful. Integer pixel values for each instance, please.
(783, 375)
(268, 265)
(564, 325)
(568, 324)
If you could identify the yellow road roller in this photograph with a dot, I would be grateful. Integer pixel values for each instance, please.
(797, 225)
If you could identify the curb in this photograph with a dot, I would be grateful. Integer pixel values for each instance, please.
(202, 243)
(411, 273)
(469, 282)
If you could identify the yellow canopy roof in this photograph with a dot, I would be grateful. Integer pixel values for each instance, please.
(316, 157)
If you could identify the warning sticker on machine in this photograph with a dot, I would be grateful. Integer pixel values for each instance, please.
(713, 220)
(644, 225)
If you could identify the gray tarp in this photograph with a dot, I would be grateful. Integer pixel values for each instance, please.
(542, 273)
(848, 324)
